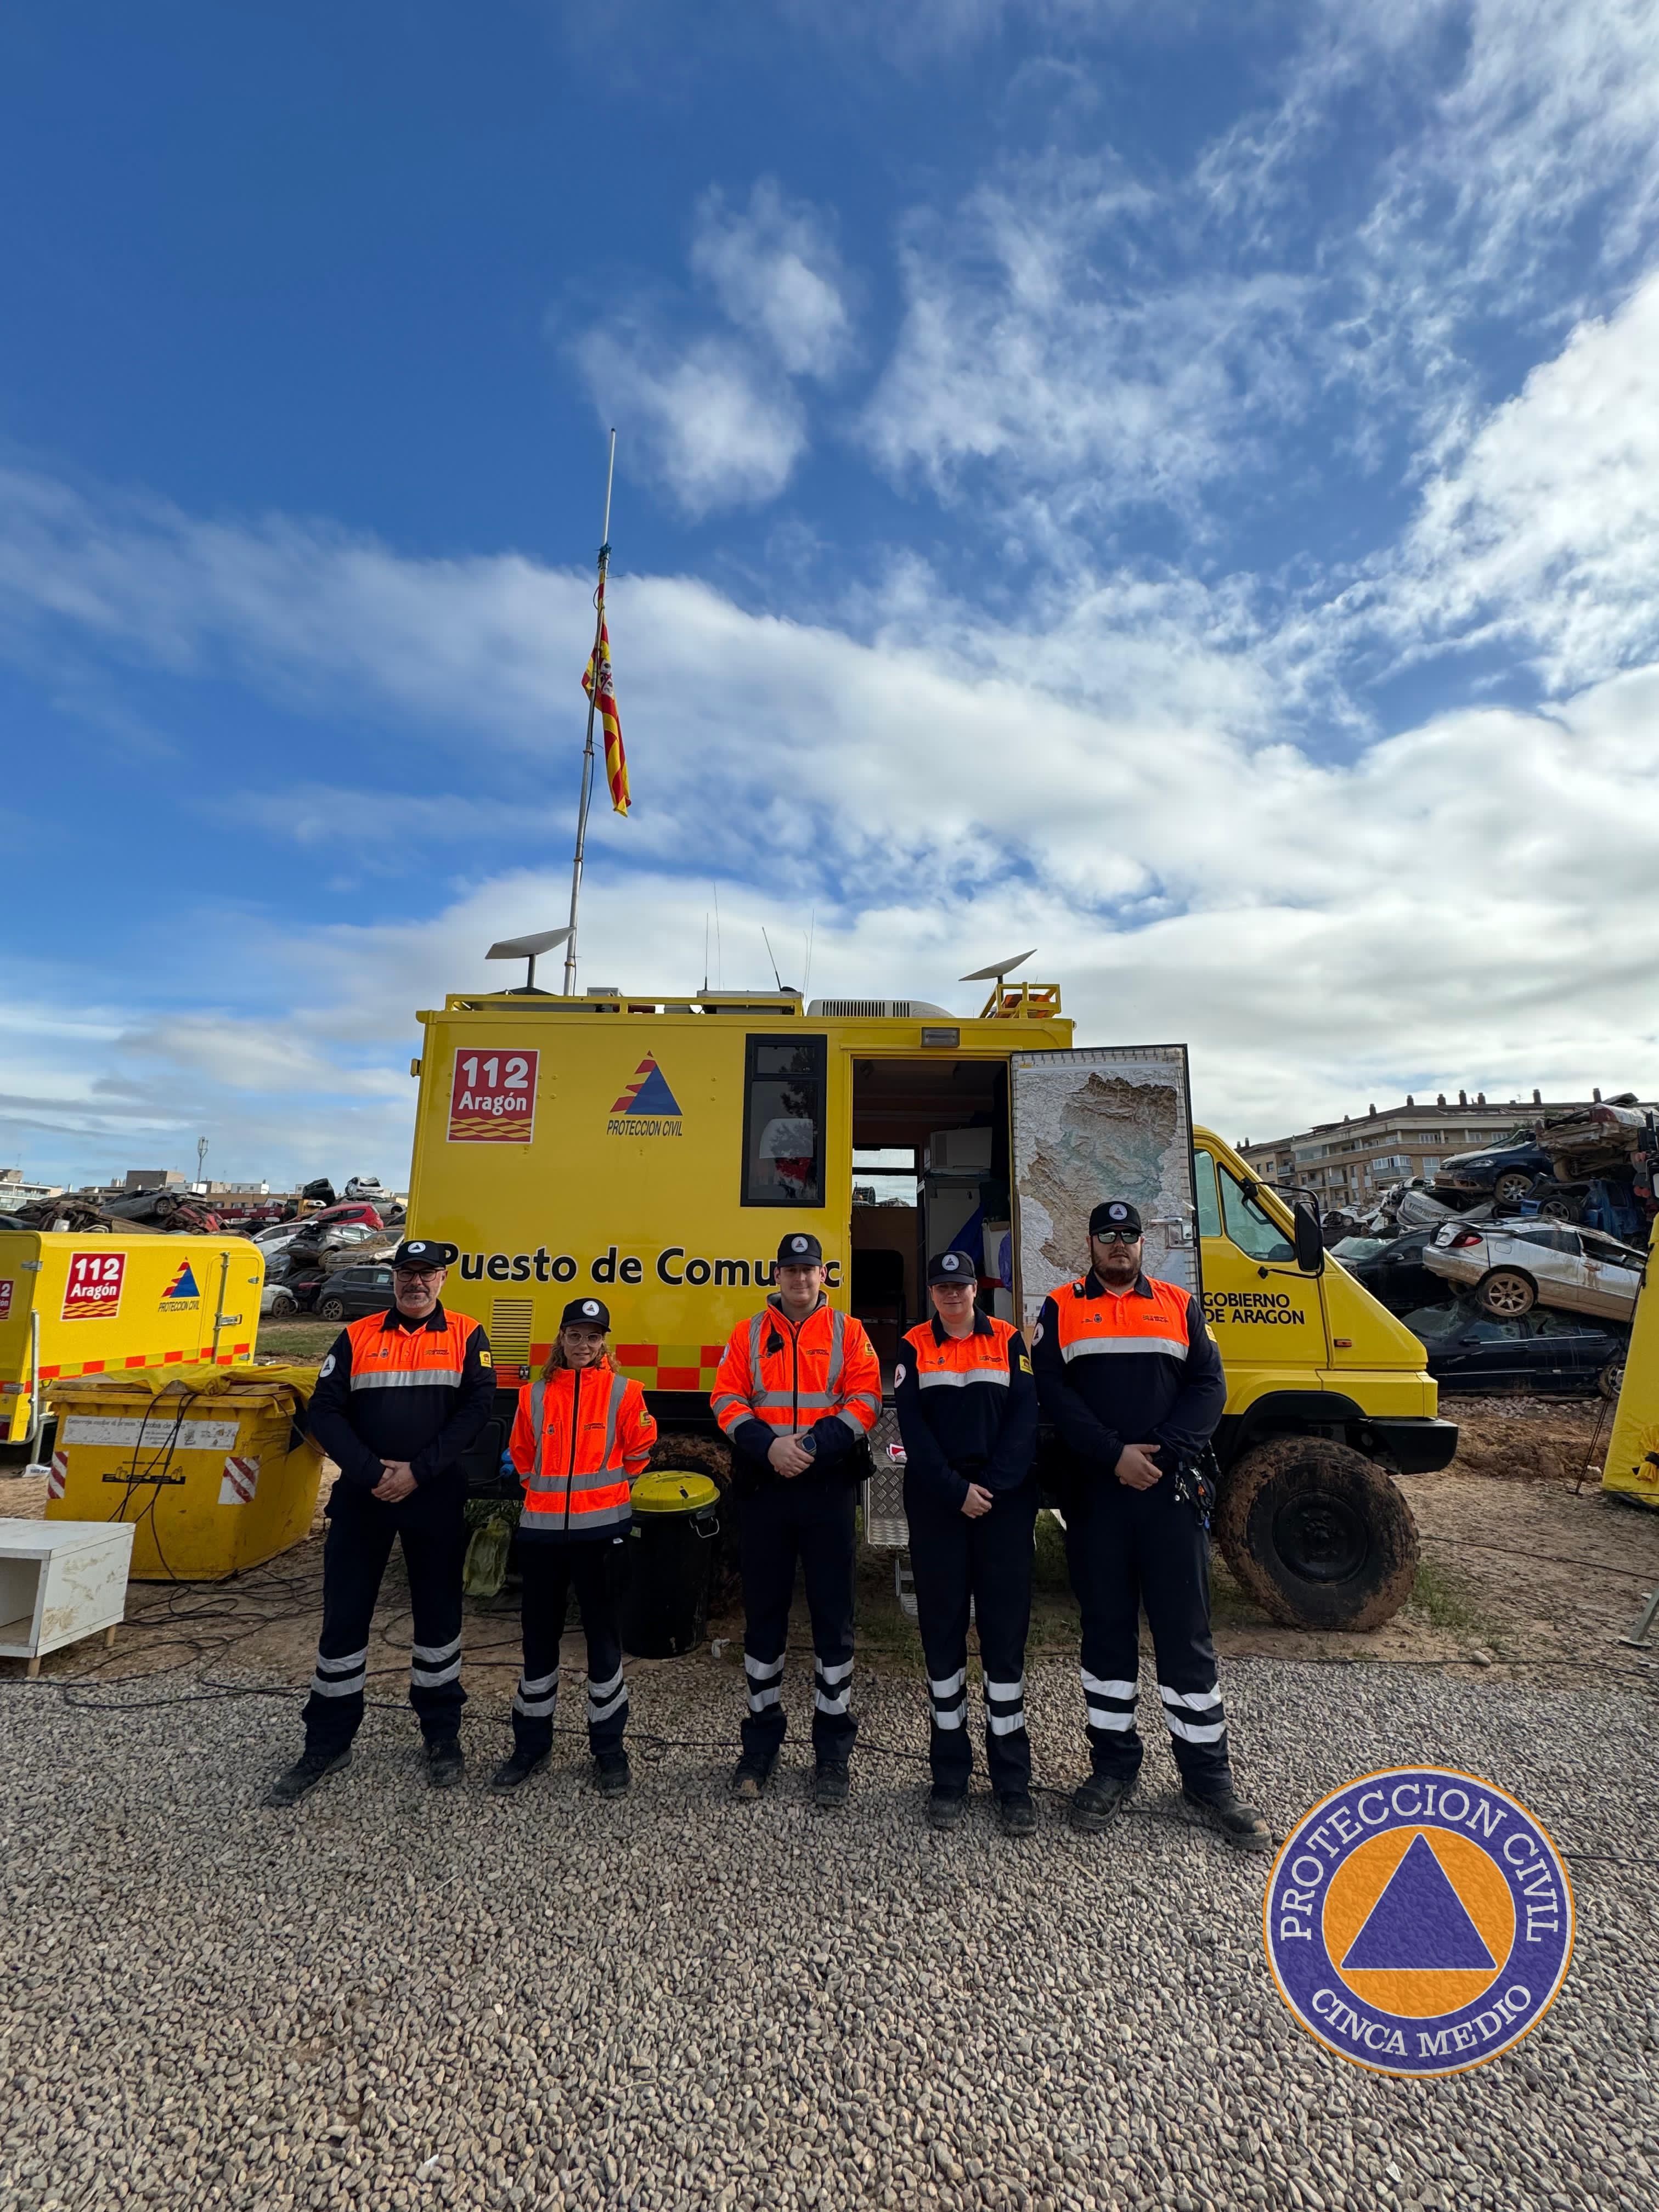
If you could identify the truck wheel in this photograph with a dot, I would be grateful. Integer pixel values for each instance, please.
(1317, 1534)
(1507, 1294)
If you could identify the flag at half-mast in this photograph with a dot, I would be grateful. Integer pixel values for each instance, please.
(598, 683)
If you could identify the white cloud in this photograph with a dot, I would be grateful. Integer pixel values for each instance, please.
(1542, 532)
(775, 271)
(1466, 904)
(721, 430)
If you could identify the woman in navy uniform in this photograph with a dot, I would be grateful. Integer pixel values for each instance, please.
(968, 1417)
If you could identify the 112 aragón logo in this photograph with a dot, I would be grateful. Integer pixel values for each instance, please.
(492, 1098)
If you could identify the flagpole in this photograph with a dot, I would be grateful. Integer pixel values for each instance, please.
(588, 751)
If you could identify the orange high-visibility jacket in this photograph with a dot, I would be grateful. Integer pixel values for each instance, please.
(790, 1377)
(582, 1435)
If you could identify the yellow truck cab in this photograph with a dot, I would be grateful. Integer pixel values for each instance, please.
(655, 1149)
(98, 1303)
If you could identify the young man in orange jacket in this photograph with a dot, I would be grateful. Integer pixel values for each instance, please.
(581, 1438)
(799, 1389)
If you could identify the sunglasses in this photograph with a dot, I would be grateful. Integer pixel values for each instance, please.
(1115, 1236)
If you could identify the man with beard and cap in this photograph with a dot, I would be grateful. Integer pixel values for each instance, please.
(1129, 1373)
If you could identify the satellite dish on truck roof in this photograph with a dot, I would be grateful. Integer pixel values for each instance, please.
(526, 948)
(997, 970)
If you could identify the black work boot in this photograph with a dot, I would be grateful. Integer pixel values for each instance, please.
(1017, 1813)
(1242, 1825)
(307, 1772)
(612, 1774)
(445, 1767)
(830, 1785)
(1098, 1802)
(516, 1769)
(946, 1807)
(749, 1780)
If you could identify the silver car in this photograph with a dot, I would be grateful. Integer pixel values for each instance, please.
(1513, 1267)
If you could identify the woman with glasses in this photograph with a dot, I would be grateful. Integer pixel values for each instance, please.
(968, 1417)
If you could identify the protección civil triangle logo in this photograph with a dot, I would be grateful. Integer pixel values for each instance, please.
(183, 1289)
(1419, 1921)
(647, 1108)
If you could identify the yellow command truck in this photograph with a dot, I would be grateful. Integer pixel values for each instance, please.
(654, 1149)
(100, 1303)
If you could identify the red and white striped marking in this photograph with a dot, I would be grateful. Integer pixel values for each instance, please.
(241, 1479)
(59, 1476)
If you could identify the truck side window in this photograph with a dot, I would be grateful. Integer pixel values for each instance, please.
(1209, 1210)
(1249, 1228)
(783, 1121)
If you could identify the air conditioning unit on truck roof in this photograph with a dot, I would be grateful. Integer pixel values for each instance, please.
(638, 1148)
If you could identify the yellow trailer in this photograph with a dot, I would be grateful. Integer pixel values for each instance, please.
(654, 1149)
(99, 1304)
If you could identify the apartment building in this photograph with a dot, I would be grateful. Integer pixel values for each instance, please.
(1351, 1163)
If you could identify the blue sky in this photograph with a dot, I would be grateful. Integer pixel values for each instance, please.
(1178, 492)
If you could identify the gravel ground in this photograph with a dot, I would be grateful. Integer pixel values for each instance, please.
(391, 1998)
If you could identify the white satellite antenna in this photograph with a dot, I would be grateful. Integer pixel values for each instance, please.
(994, 974)
(526, 948)
(997, 968)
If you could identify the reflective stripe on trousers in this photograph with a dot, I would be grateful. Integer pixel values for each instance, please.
(537, 1700)
(429, 1664)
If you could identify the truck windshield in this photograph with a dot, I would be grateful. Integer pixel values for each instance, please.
(1248, 1226)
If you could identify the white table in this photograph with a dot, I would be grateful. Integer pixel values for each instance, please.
(59, 1581)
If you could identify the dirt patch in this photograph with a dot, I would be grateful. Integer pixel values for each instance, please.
(1530, 1440)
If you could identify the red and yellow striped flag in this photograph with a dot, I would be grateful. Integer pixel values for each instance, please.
(616, 760)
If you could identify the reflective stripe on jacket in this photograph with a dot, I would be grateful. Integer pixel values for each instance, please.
(818, 1377)
(1087, 1326)
(967, 1410)
(580, 1436)
(423, 1359)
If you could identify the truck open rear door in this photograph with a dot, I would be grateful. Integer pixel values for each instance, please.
(1113, 1121)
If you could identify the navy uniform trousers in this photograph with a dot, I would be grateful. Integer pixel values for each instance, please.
(956, 1561)
(1127, 1548)
(811, 1523)
(551, 1568)
(361, 1533)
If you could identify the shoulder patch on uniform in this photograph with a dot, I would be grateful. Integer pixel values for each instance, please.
(898, 1375)
(484, 1359)
(1036, 1334)
(326, 1369)
(1025, 1365)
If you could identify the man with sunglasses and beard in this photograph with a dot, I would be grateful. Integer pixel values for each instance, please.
(1128, 1372)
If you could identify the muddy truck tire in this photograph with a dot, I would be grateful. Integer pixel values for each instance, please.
(1317, 1534)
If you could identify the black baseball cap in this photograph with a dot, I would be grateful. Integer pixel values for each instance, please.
(425, 1252)
(585, 1313)
(800, 1249)
(952, 1267)
(1115, 1213)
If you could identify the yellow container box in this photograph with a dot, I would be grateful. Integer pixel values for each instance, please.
(213, 1471)
(109, 1305)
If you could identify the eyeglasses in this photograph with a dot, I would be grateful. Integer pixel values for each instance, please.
(1115, 1236)
(950, 1290)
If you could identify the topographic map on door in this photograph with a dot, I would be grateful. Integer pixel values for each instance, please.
(1112, 1122)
